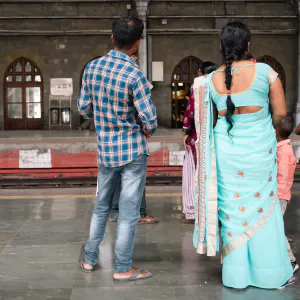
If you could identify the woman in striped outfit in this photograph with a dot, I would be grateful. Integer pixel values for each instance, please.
(189, 164)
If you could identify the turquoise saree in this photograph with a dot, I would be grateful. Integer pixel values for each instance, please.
(236, 184)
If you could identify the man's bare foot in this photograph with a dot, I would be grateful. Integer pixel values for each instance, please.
(86, 268)
(148, 220)
(132, 275)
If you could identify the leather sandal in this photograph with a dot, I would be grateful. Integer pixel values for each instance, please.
(83, 269)
(134, 276)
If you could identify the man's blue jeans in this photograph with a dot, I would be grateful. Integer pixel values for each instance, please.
(114, 212)
(133, 179)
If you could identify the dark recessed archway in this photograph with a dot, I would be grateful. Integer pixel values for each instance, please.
(271, 61)
(182, 79)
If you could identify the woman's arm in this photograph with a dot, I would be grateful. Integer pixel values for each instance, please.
(215, 114)
(277, 101)
(188, 120)
(297, 131)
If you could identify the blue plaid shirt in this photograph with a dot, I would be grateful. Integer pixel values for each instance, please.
(117, 94)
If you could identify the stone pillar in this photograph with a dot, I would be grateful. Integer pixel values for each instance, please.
(142, 7)
(298, 73)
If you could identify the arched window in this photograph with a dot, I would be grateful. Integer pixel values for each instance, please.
(182, 79)
(23, 96)
(271, 61)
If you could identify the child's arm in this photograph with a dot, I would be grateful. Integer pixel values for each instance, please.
(286, 169)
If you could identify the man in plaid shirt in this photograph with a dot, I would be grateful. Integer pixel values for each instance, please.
(117, 94)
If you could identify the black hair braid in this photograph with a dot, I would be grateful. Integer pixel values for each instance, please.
(228, 81)
(235, 39)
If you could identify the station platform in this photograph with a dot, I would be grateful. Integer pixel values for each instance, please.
(42, 238)
(70, 154)
(57, 154)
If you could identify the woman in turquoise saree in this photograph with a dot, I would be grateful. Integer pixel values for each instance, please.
(236, 167)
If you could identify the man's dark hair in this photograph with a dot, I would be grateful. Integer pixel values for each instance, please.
(286, 127)
(207, 67)
(127, 31)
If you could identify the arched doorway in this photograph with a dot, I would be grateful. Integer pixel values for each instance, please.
(182, 79)
(23, 96)
(271, 61)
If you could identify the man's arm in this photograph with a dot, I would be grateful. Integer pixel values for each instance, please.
(297, 131)
(85, 104)
(144, 106)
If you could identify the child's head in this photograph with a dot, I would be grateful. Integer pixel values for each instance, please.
(285, 128)
(250, 57)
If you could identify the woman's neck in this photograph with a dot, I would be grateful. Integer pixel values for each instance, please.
(238, 63)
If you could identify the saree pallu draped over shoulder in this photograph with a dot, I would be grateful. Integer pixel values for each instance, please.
(206, 235)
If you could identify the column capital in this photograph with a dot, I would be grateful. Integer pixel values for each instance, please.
(142, 8)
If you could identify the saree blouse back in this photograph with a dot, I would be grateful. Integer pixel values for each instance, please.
(257, 92)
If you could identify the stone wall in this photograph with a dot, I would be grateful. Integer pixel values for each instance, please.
(53, 62)
(64, 55)
(272, 36)
(56, 55)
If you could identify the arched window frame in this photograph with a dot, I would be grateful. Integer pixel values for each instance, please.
(272, 62)
(24, 75)
(182, 79)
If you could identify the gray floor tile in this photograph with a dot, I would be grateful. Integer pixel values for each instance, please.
(36, 294)
(11, 225)
(64, 254)
(63, 226)
(14, 214)
(47, 238)
(290, 293)
(36, 276)
(124, 292)
(45, 214)
(6, 237)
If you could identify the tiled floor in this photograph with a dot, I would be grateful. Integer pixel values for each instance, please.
(41, 242)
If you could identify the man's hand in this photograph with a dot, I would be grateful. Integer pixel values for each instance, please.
(148, 133)
(186, 141)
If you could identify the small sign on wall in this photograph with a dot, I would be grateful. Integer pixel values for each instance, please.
(157, 71)
(176, 158)
(61, 86)
(35, 159)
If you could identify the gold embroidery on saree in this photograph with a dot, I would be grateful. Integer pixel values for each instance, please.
(240, 174)
(247, 235)
(202, 163)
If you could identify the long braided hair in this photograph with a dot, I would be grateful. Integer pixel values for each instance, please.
(235, 38)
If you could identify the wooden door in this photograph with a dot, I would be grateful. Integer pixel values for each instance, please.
(23, 96)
